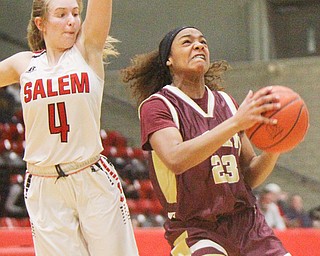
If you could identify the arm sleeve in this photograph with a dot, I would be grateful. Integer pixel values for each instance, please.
(154, 116)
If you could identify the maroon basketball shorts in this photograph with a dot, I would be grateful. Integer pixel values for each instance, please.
(244, 233)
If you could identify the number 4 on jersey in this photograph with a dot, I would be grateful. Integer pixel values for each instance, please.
(64, 127)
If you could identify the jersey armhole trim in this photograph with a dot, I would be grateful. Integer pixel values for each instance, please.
(229, 101)
(172, 109)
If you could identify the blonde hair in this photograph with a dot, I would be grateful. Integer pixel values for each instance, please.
(109, 48)
(35, 37)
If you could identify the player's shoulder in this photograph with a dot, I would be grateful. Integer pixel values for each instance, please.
(154, 99)
(24, 56)
(156, 103)
(21, 60)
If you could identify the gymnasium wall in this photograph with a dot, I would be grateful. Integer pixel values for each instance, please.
(140, 25)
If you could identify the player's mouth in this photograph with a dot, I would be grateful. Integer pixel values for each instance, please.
(199, 56)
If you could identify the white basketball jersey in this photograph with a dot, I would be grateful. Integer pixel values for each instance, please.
(61, 109)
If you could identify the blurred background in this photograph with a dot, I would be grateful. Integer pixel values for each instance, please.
(266, 42)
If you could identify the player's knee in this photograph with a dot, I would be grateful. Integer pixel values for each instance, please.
(208, 254)
(201, 248)
(207, 247)
(214, 254)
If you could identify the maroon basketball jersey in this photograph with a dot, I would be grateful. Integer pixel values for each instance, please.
(214, 187)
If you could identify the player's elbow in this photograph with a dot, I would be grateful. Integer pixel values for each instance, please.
(176, 166)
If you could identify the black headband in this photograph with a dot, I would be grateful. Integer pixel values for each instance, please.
(166, 42)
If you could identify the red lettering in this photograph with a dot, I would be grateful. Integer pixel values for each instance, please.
(64, 127)
(27, 92)
(38, 90)
(77, 86)
(62, 83)
(66, 85)
(49, 89)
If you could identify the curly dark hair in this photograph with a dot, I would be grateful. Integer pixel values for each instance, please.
(146, 75)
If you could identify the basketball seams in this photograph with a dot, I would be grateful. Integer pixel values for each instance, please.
(275, 112)
(288, 133)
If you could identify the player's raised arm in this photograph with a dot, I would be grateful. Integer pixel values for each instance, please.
(94, 32)
(97, 23)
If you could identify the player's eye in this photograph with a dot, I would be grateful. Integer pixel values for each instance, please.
(60, 14)
(204, 41)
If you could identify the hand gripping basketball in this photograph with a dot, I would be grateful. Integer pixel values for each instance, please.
(292, 126)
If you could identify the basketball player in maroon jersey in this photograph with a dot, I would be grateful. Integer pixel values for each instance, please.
(202, 165)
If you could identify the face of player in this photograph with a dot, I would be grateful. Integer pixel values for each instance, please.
(189, 53)
(62, 24)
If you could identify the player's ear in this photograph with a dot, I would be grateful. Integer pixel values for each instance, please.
(168, 63)
(39, 23)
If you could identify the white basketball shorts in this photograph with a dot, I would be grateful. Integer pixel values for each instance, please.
(81, 214)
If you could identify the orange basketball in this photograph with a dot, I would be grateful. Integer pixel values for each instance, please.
(292, 126)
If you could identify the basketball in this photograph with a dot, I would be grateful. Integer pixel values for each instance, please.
(292, 126)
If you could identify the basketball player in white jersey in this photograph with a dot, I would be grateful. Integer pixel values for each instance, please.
(73, 195)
